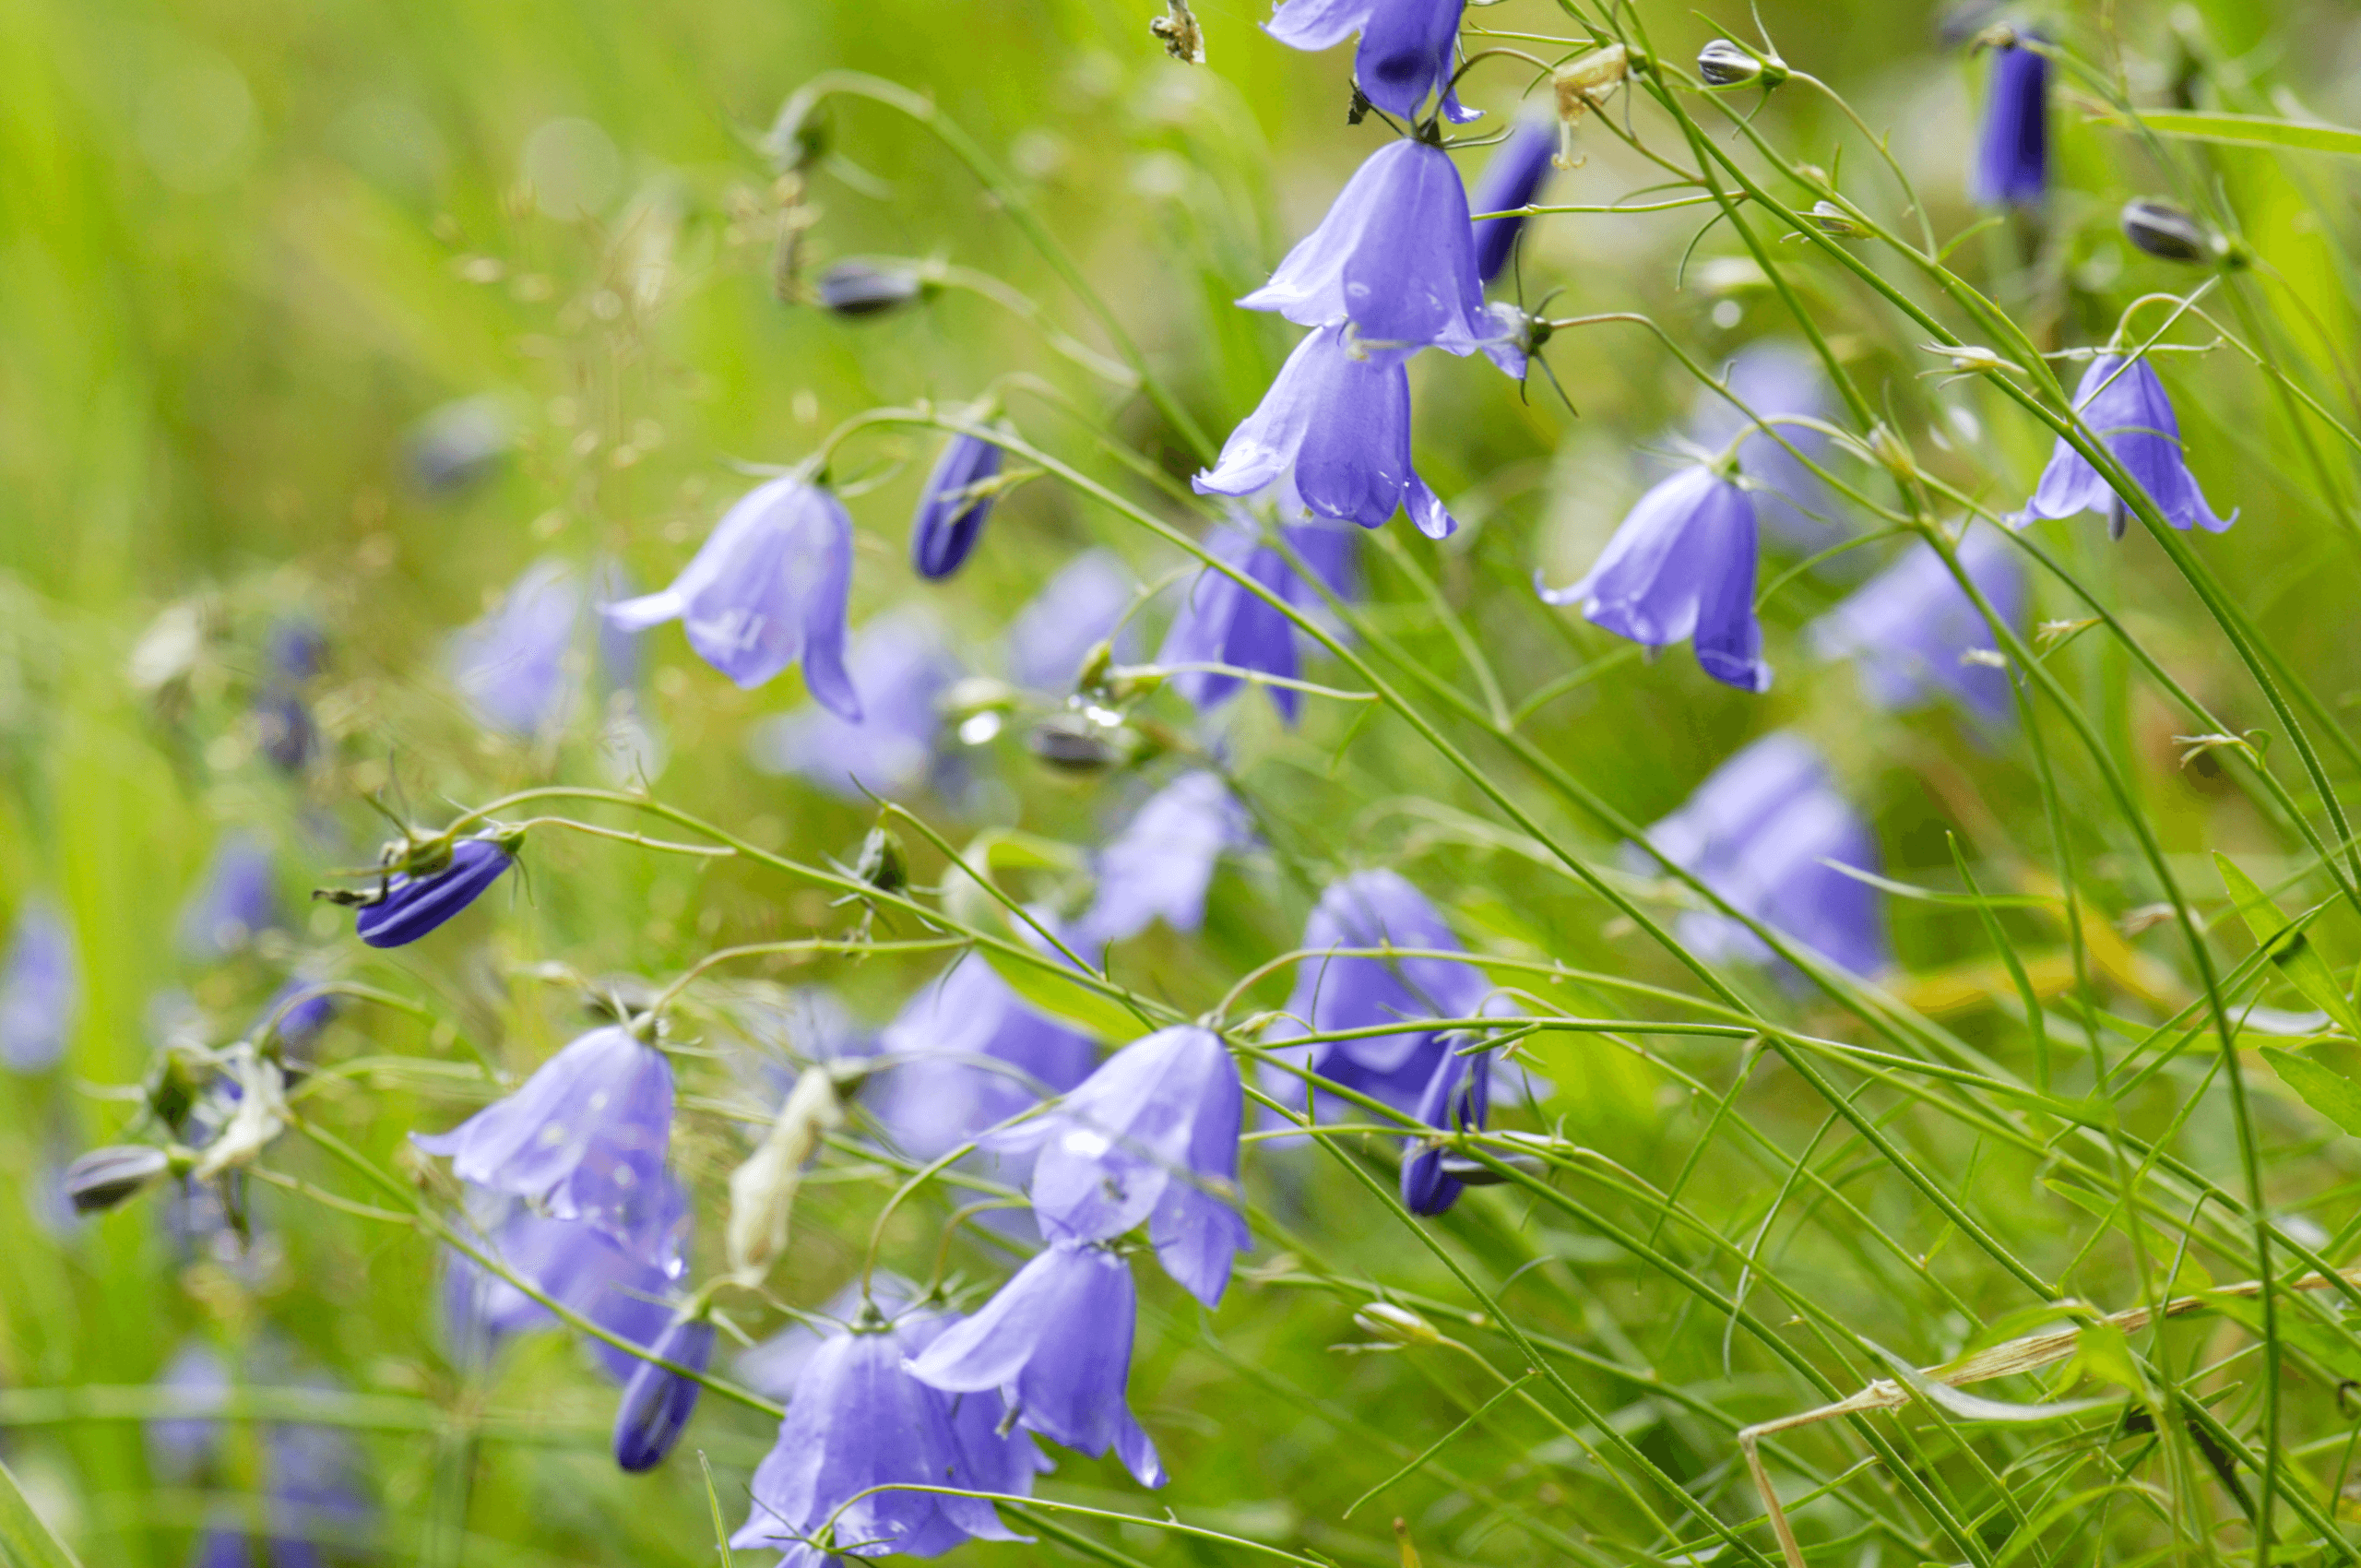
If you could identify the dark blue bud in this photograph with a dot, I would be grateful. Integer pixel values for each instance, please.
(1458, 1098)
(856, 287)
(1510, 180)
(2012, 152)
(950, 513)
(657, 1403)
(414, 906)
(105, 1177)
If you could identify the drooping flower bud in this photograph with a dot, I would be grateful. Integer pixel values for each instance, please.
(1390, 1325)
(1723, 64)
(2166, 232)
(854, 289)
(884, 864)
(415, 904)
(1069, 748)
(952, 509)
(658, 1402)
(103, 1178)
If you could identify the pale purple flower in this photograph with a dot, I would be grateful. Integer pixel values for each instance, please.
(899, 666)
(969, 1054)
(1776, 379)
(298, 1011)
(181, 1446)
(1519, 167)
(774, 1367)
(1078, 609)
(1681, 569)
(657, 1403)
(1055, 1342)
(1160, 865)
(1374, 909)
(585, 1138)
(1220, 622)
(1408, 49)
(951, 512)
(1910, 630)
(2125, 406)
(2012, 149)
(621, 1283)
(769, 586)
(1337, 427)
(236, 898)
(40, 990)
(1458, 1099)
(453, 446)
(1150, 1137)
(516, 665)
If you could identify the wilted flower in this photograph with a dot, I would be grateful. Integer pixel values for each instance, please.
(968, 1055)
(2125, 406)
(516, 665)
(1781, 380)
(103, 1178)
(1756, 832)
(770, 586)
(1681, 567)
(861, 288)
(658, 1402)
(1909, 629)
(1458, 1098)
(1220, 622)
(585, 1138)
(40, 990)
(1074, 613)
(762, 1189)
(236, 897)
(1337, 428)
(952, 508)
(1151, 1136)
(1162, 861)
(415, 905)
(2012, 151)
(1514, 176)
(899, 666)
(1408, 48)
(1056, 1342)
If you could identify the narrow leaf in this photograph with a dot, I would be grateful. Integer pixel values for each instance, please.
(2290, 948)
(24, 1540)
(2246, 130)
(2331, 1093)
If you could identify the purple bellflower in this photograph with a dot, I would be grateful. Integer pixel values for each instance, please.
(1150, 1136)
(1912, 633)
(900, 665)
(1056, 1343)
(1220, 622)
(1163, 859)
(236, 898)
(657, 1403)
(2126, 408)
(1458, 1099)
(951, 511)
(415, 905)
(297, 1012)
(1408, 48)
(620, 1284)
(1077, 610)
(1756, 832)
(40, 990)
(1373, 909)
(516, 665)
(1339, 427)
(1681, 569)
(968, 1054)
(585, 1138)
(1775, 378)
(1511, 179)
(856, 1421)
(774, 1367)
(770, 586)
(2012, 151)
(181, 1446)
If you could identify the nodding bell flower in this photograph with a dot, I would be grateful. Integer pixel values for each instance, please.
(2166, 232)
(1513, 177)
(952, 507)
(1150, 1137)
(1408, 48)
(855, 289)
(1337, 427)
(1219, 622)
(1458, 1099)
(236, 898)
(770, 586)
(1681, 569)
(1162, 861)
(900, 665)
(416, 904)
(39, 989)
(1775, 378)
(658, 1402)
(1075, 612)
(2012, 151)
(2125, 406)
(1912, 632)
(1056, 1342)
(516, 665)
(622, 1284)
(968, 1053)
(585, 1138)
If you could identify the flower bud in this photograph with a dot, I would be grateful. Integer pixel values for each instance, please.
(105, 1177)
(2165, 232)
(855, 289)
(1069, 748)
(1723, 64)
(657, 1403)
(1830, 219)
(1396, 1325)
(882, 863)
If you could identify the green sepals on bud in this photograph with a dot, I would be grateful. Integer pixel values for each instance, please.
(884, 864)
(2169, 233)
(1393, 1325)
(1724, 63)
(171, 1090)
(1893, 454)
(1833, 219)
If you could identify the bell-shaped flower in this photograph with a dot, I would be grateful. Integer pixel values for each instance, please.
(658, 1402)
(236, 899)
(1518, 170)
(1337, 427)
(1151, 1136)
(1458, 1099)
(1160, 865)
(858, 1430)
(1077, 610)
(1335, 989)
(40, 990)
(1408, 48)
(1779, 379)
(1220, 622)
(953, 506)
(1681, 569)
(584, 1138)
(1396, 257)
(1056, 1343)
(412, 905)
(774, 1367)
(899, 666)
(1759, 832)
(518, 666)
(967, 1054)
(621, 1283)
(1915, 637)
(2125, 406)
(769, 586)
(2011, 165)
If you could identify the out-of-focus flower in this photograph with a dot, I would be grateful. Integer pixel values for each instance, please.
(415, 905)
(2126, 408)
(968, 1055)
(1162, 861)
(1757, 833)
(2012, 149)
(1074, 613)
(657, 1403)
(458, 444)
(1337, 427)
(1458, 1099)
(1408, 48)
(899, 666)
(1151, 1136)
(1776, 379)
(1375, 909)
(302, 1009)
(282, 721)
(2165, 232)
(1220, 622)
(516, 665)
(1910, 629)
(1514, 176)
(1681, 569)
(623, 1284)
(40, 990)
(952, 508)
(196, 1377)
(103, 1178)
(769, 586)
(853, 289)
(235, 898)
(856, 1422)
(1056, 1342)
(585, 1138)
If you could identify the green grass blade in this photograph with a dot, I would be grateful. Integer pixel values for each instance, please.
(24, 1540)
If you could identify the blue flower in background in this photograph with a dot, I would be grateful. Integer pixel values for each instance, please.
(1160, 863)
(415, 905)
(516, 665)
(1408, 48)
(899, 666)
(40, 990)
(968, 1053)
(283, 725)
(236, 898)
(301, 1011)
(2012, 149)
(657, 1403)
(1078, 609)
(1518, 170)
(621, 1283)
(1681, 567)
(1150, 1137)
(1056, 1343)
(1776, 378)
(1909, 629)
(2126, 408)
(179, 1447)
(769, 586)
(951, 515)
(1372, 910)
(585, 1138)
(1220, 622)
(1458, 1099)
(1337, 427)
